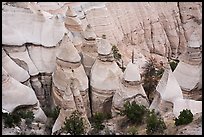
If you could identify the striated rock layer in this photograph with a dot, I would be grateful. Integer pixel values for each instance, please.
(33, 35)
(67, 93)
(106, 72)
(191, 61)
(89, 49)
(130, 90)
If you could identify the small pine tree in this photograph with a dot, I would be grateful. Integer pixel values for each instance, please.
(8, 120)
(15, 118)
(151, 76)
(133, 130)
(155, 124)
(134, 112)
(116, 53)
(55, 113)
(173, 64)
(184, 118)
(97, 120)
(74, 124)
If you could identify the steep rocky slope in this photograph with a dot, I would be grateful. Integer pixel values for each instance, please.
(45, 46)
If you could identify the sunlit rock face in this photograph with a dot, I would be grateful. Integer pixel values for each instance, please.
(170, 97)
(130, 90)
(89, 49)
(189, 70)
(34, 26)
(164, 32)
(72, 22)
(104, 71)
(12, 68)
(67, 93)
(33, 35)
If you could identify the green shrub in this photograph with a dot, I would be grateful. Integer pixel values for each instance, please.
(116, 53)
(15, 118)
(133, 130)
(25, 114)
(155, 124)
(28, 115)
(152, 75)
(53, 113)
(173, 64)
(74, 124)
(134, 112)
(184, 118)
(8, 120)
(97, 121)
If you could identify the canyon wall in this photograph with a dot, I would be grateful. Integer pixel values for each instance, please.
(47, 45)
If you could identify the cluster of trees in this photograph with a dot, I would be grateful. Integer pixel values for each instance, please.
(15, 118)
(151, 77)
(139, 114)
(184, 118)
(74, 124)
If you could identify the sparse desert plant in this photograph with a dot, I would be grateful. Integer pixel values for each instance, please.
(28, 115)
(134, 112)
(184, 118)
(116, 53)
(74, 124)
(133, 130)
(152, 75)
(8, 120)
(97, 121)
(173, 64)
(53, 113)
(155, 124)
(14, 118)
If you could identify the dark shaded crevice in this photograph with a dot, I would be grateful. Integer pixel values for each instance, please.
(46, 82)
(179, 12)
(152, 50)
(181, 18)
(42, 88)
(29, 54)
(90, 95)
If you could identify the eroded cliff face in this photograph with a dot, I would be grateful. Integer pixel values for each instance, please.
(34, 35)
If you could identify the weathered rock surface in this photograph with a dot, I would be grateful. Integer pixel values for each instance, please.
(89, 49)
(191, 61)
(104, 71)
(11, 87)
(11, 67)
(130, 89)
(72, 23)
(67, 95)
(32, 33)
(34, 26)
(171, 93)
